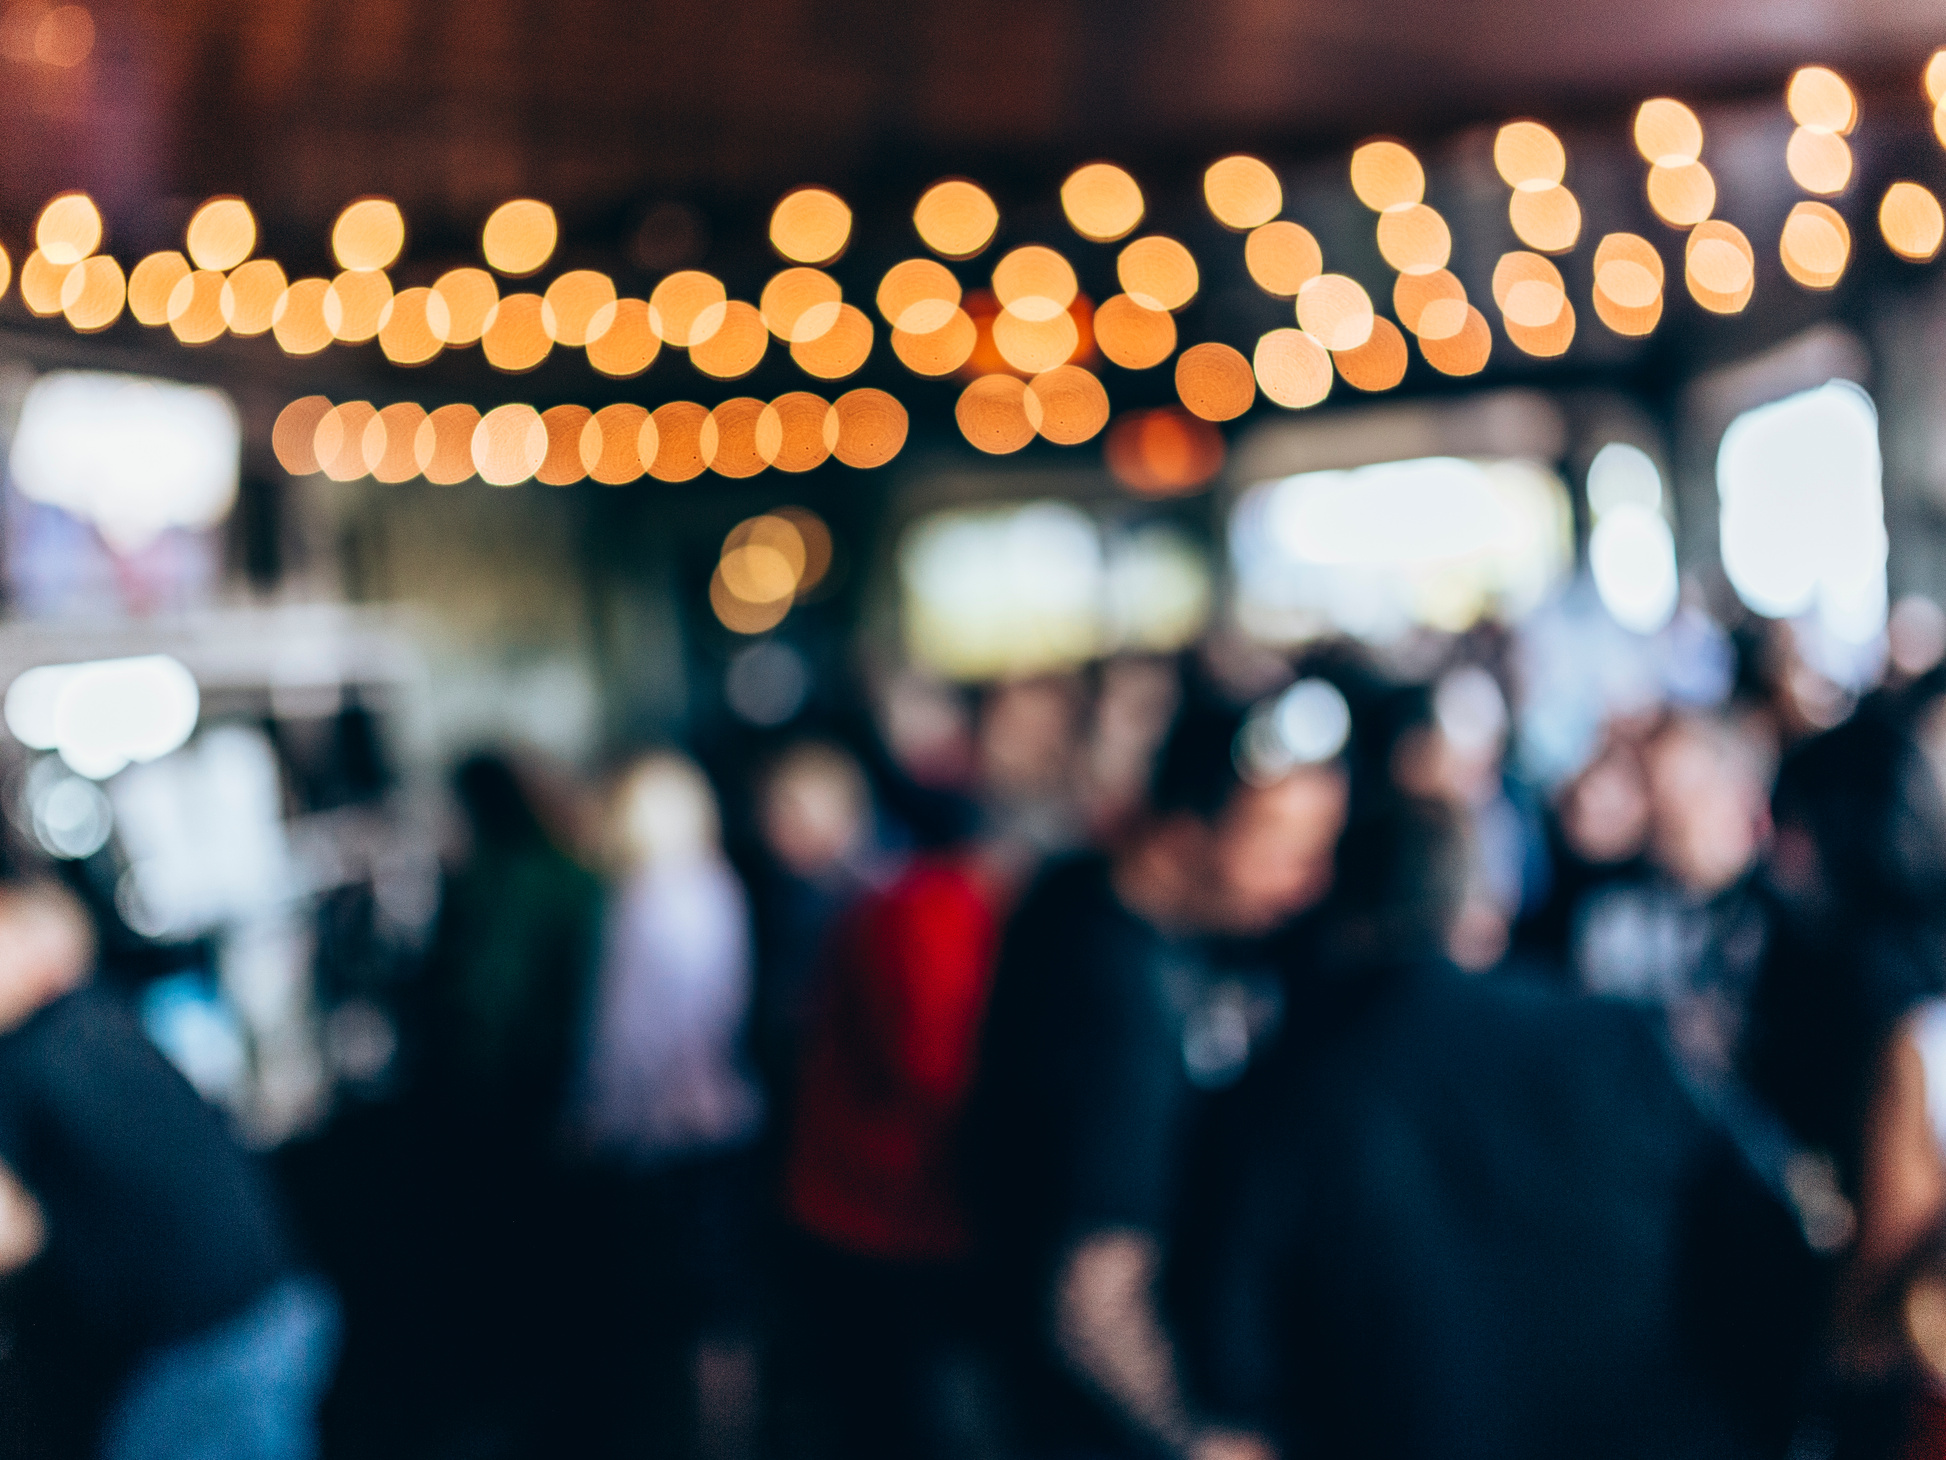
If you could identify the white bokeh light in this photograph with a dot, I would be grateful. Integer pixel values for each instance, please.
(102, 716)
(1632, 554)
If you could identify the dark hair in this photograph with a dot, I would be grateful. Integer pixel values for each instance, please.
(1196, 770)
(1401, 877)
(490, 792)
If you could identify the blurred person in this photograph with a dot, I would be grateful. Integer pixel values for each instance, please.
(886, 1309)
(1598, 833)
(1689, 932)
(162, 1306)
(814, 816)
(1465, 1221)
(666, 1113)
(1104, 1029)
(1029, 760)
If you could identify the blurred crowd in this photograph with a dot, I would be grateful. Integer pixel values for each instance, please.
(1227, 1057)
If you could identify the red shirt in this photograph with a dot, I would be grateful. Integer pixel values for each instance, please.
(872, 1166)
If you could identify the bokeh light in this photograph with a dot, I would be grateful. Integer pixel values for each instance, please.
(1282, 257)
(1103, 202)
(737, 347)
(611, 444)
(566, 459)
(629, 345)
(1163, 452)
(791, 431)
(93, 293)
(993, 414)
(865, 428)
(515, 339)
(739, 615)
(578, 307)
(153, 281)
(1413, 293)
(1935, 78)
(840, 350)
(519, 237)
(1073, 405)
(469, 296)
(1386, 175)
(1682, 196)
(942, 351)
(800, 304)
(1158, 273)
(69, 229)
(1529, 290)
(354, 305)
(1819, 161)
(1529, 157)
(1031, 346)
(687, 307)
(1035, 283)
(6, 270)
(250, 295)
(1719, 266)
(222, 233)
(1292, 368)
(956, 218)
(1628, 282)
(1242, 192)
(391, 443)
(40, 284)
(1414, 239)
(918, 296)
(368, 235)
(677, 455)
(298, 320)
(1910, 219)
(1336, 311)
(510, 443)
(1548, 219)
(294, 435)
(1133, 337)
(1820, 98)
(64, 36)
(450, 458)
(810, 226)
(1465, 352)
(1667, 133)
(1379, 363)
(727, 439)
(1815, 245)
(763, 559)
(410, 334)
(339, 441)
(1623, 320)
(1545, 341)
(196, 308)
(1215, 382)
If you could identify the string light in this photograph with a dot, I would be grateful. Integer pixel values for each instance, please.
(956, 219)
(1133, 336)
(727, 440)
(519, 237)
(1292, 368)
(1282, 257)
(1336, 311)
(810, 226)
(1215, 382)
(1073, 405)
(1910, 219)
(369, 235)
(791, 432)
(1242, 192)
(1103, 202)
(248, 302)
(68, 230)
(1379, 363)
(221, 234)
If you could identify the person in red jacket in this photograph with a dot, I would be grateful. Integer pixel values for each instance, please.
(870, 1178)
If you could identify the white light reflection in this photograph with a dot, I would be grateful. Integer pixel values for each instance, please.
(1632, 555)
(104, 715)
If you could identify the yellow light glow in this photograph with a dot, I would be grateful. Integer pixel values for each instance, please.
(790, 431)
(562, 466)
(1910, 219)
(1292, 369)
(1032, 346)
(41, 283)
(1282, 257)
(687, 308)
(1103, 203)
(1386, 175)
(1414, 239)
(294, 435)
(298, 320)
(1035, 283)
(840, 350)
(1936, 76)
(149, 287)
(810, 226)
(355, 305)
(941, 352)
(1335, 310)
(64, 37)
(867, 428)
(1242, 192)
(519, 238)
(629, 345)
(740, 616)
(368, 235)
(737, 347)
(1718, 258)
(449, 455)
(1628, 272)
(68, 231)
(1548, 340)
(196, 308)
(1134, 337)
(1158, 273)
(800, 304)
(1548, 219)
(510, 443)
(956, 218)
(515, 340)
(1464, 352)
(578, 307)
(1819, 161)
(1815, 245)
(1528, 289)
(249, 298)
(1529, 157)
(1215, 382)
(918, 296)
(611, 447)
(222, 233)
(1820, 98)
(993, 414)
(410, 335)
(391, 443)
(671, 441)
(469, 296)
(6, 270)
(93, 293)
(1163, 452)
(1682, 196)
(1667, 133)
(1379, 363)
(340, 440)
(1412, 294)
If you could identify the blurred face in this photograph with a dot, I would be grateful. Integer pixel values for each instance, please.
(1271, 852)
(1707, 810)
(1605, 814)
(44, 952)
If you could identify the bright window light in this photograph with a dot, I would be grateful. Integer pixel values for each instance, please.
(1803, 513)
(102, 716)
(133, 456)
(1373, 551)
(1017, 590)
